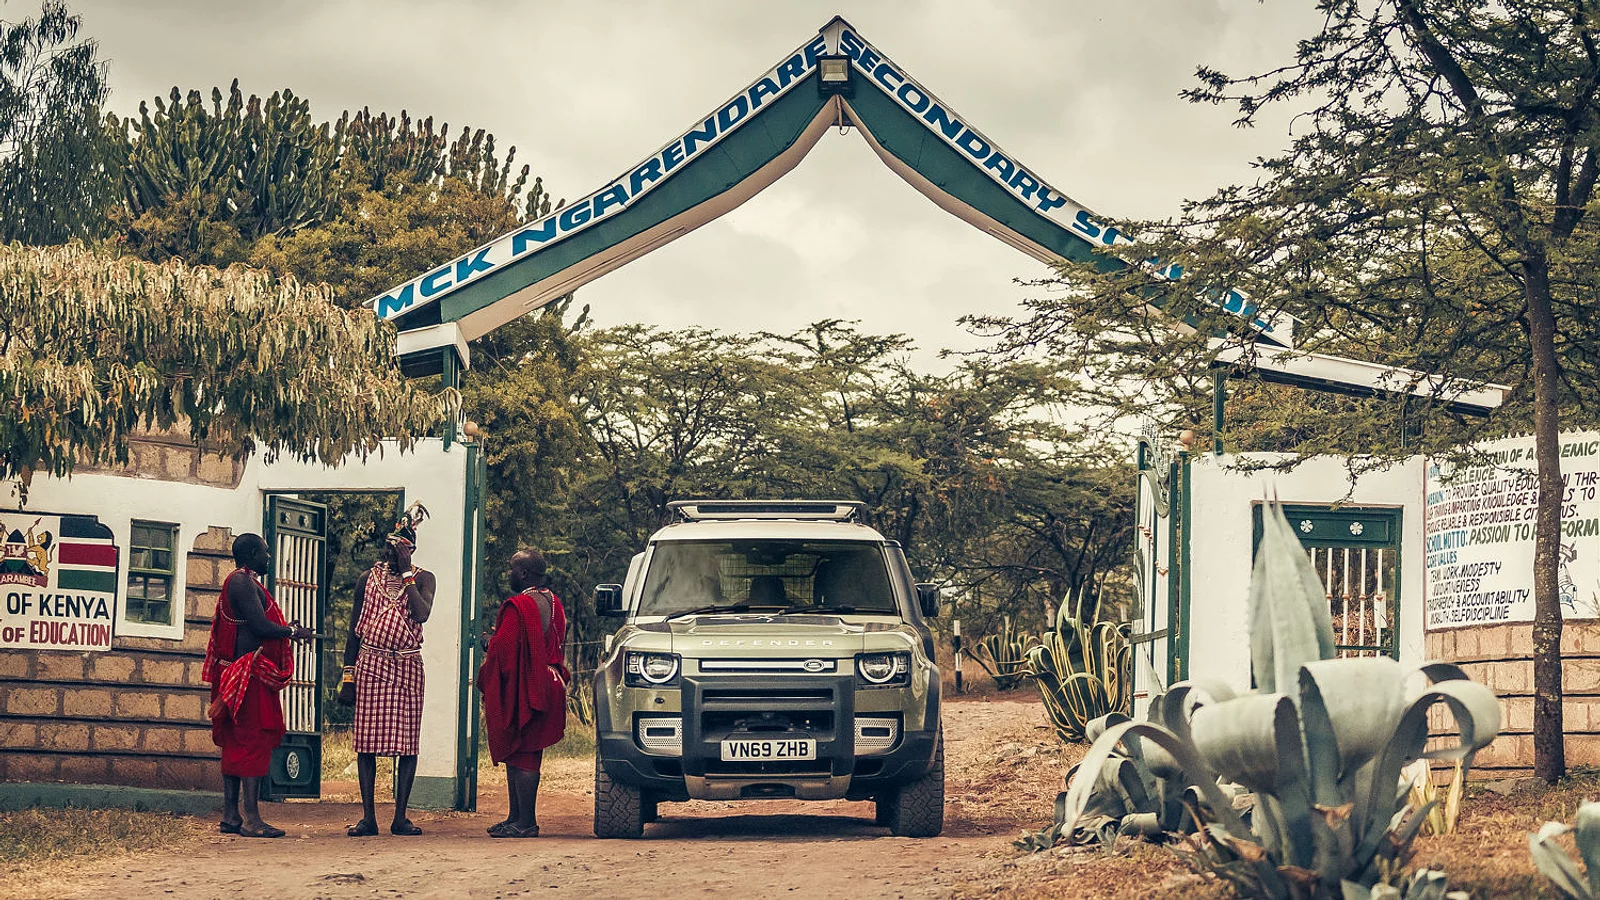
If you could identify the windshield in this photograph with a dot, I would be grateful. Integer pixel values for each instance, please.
(794, 576)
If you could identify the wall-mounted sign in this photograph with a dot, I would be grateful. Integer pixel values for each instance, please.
(58, 582)
(1478, 534)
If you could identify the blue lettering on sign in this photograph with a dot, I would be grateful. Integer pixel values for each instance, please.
(472, 265)
(732, 113)
(616, 195)
(430, 282)
(1009, 173)
(763, 89)
(702, 135)
(533, 234)
(650, 171)
(396, 303)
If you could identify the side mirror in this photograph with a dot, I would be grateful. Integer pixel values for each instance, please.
(928, 599)
(608, 600)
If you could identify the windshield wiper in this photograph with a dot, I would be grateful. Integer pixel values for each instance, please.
(702, 610)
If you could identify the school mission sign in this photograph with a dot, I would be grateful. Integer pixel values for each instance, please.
(58, 581)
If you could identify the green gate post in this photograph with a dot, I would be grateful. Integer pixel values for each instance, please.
(466, 794)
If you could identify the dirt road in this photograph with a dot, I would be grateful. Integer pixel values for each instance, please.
(1003, 772)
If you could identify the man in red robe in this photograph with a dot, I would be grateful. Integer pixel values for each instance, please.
(248, 663)
(524, 680)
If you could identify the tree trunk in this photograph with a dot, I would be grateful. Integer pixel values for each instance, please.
(1549, 751)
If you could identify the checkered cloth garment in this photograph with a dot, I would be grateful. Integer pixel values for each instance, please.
(389, 669)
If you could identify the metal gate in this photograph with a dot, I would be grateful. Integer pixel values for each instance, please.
(297, 532)
(1356, 551)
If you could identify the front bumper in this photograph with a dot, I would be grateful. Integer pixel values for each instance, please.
(821, 708)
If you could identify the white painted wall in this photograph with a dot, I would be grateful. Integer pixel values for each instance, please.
(429, 472)
(1220, 549)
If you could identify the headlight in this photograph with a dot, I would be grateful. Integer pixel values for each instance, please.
(650, 669)
(884, 669)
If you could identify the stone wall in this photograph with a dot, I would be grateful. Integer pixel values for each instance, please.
(133, 715)
(1500, 657)
(173, 456)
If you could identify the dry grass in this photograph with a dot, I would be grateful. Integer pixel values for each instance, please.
(1487, 857)
(34, 837)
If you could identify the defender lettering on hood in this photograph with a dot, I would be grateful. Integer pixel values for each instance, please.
(759, 642)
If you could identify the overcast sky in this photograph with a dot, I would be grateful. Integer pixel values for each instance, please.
(1083, 93)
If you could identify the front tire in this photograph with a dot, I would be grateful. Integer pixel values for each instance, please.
(916, 809)
(618, 808)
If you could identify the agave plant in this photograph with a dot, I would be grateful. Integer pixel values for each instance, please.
(1554, 862)
(1320, 743)
(1139, 791)
(1082, 670)
(1004, 654)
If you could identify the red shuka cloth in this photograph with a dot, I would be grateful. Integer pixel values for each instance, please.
(246, 712)
(524, 703)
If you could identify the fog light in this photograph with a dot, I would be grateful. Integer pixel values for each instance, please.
(661, 735)
(876, 735)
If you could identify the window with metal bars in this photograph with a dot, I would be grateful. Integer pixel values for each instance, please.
(152, 566)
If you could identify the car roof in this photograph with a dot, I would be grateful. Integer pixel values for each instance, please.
(766, 529)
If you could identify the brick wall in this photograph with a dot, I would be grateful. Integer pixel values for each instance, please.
(1500, 657)
(133, 715)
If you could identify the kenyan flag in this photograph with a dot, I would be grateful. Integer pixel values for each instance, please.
(85, 557)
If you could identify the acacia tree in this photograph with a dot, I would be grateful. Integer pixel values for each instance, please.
(94, 349)
(1433, 210)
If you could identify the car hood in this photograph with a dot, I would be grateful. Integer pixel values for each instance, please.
(720, 634)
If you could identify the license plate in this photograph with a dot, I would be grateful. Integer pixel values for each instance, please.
(776, 748)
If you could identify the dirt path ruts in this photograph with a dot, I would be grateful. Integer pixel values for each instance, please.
(750, 849)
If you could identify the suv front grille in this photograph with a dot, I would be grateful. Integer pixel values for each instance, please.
(823, 695)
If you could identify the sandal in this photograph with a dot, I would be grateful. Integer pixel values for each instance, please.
(265, 831)
(404, 828)
(512, 831)
(496, 828)
(228, 827)
(363, 828)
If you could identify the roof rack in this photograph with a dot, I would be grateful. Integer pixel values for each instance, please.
(808, 510)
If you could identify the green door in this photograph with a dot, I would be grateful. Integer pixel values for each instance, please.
(297, 532)
(1356, 551)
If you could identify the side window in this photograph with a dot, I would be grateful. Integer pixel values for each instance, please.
(151, 573)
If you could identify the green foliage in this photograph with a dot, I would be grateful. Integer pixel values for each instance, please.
(1082, 669)
(1004, 654)
(1559, 867)
(57, 168)
(93, 349)
(204, 184)
(1321, 745)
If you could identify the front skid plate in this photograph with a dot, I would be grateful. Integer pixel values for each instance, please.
(731, 788)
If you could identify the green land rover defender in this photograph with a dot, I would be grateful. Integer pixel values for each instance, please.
(769, 650)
